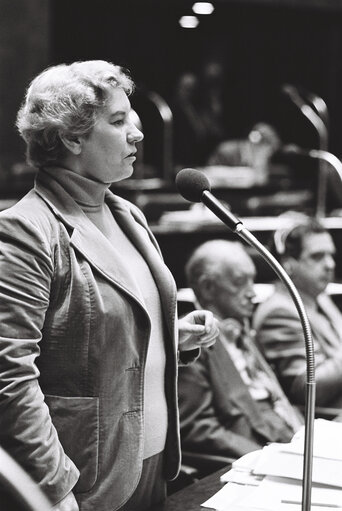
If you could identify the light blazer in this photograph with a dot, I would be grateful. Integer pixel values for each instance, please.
(73, 341)
(280, 334)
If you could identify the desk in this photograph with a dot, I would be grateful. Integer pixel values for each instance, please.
(191, 497)
(177, 240)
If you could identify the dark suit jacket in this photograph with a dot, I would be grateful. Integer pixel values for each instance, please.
(73, 341)
(218, 414)
(280, 334)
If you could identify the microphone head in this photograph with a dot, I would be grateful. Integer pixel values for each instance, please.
(287, 88)
(191, 184)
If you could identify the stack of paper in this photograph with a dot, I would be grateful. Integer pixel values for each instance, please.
(271, 479)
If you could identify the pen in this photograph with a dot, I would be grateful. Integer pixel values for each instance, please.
(330, 506)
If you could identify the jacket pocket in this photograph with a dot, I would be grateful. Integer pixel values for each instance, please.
(76, 420)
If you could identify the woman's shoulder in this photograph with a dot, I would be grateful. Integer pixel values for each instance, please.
(29, 216)
(31, 207)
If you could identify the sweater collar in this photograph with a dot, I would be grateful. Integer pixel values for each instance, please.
(86, 192)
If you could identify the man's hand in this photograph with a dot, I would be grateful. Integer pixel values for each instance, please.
(198, 329)
(69, 503)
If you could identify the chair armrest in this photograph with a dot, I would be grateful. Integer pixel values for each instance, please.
(324, 412)
(196, 465)
(327, 413)
(205, 461)
(187, 475)
(189, 471)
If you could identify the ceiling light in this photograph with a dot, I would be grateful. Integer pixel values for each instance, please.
(188, 21)
(203, 8)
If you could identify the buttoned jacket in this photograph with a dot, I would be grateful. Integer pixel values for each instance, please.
(73, 344)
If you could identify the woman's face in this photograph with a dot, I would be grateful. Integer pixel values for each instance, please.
(108, 151)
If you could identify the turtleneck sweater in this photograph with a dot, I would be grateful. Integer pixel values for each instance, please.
(90, 196)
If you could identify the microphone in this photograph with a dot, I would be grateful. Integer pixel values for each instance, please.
(293, 94)
(323, 157)
(313, 99)
(319, 154)
(194, 186)
(319, 122)
(320, 106)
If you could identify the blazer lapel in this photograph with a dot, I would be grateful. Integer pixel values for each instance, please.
(86, 238)
(135, 227)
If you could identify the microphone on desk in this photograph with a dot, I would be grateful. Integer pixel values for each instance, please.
(301, 97)
(194, 186)
(319, 105)
(314, 116)
(318, 118)
(293, 94)
(318, 154)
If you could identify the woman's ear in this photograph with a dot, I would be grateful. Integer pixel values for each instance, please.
(72, 143)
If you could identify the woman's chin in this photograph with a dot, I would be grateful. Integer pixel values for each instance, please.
(125, 174)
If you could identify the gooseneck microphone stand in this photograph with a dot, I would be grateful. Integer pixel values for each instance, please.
(319, 119)
(310, 368)
(318, 154)
(237, 226)
(194, 186)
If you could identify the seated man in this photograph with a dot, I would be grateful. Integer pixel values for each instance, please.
(230, 401)
(307, 253)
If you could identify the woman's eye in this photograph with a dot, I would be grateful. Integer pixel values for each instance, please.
(119, 122)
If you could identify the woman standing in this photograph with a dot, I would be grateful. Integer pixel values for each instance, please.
(89, 335)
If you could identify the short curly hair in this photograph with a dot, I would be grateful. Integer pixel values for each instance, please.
(66, 99)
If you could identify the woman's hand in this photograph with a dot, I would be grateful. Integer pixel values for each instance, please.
(69, 503)
(198, 329)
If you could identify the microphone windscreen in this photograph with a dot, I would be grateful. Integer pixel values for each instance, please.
(288, 89)
(191, 184)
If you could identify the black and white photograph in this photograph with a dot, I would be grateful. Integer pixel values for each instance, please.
(170, 255)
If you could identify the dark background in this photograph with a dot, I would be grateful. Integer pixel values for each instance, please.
(261, 45)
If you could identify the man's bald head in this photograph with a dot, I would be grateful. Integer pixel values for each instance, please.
(221, 273)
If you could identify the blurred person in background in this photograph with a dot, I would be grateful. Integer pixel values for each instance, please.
(89, 338)
(256, 151)
(229, 399)
(307, 253)
(198, 112)
(212, 104)
(189, 129)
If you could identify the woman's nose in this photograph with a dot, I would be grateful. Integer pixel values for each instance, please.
(134, 135)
